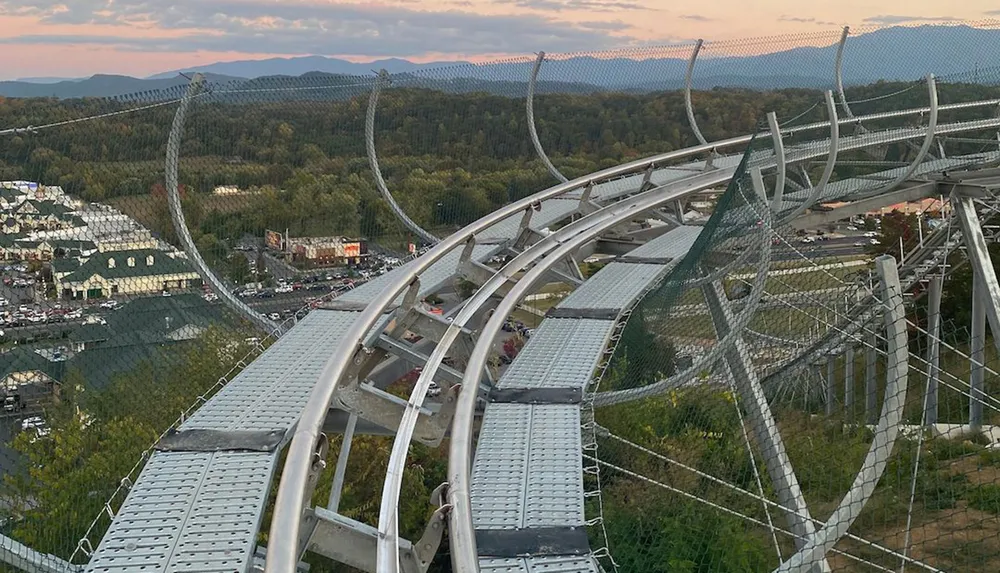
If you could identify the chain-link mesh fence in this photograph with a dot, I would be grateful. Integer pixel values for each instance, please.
(111, 330)
(723, 451)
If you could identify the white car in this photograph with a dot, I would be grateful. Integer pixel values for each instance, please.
(433, 390)
(283, 289)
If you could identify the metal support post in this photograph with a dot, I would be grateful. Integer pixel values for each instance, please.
(765, 428)
(849, 382)
(977, 355)
(871, 387)
(933, 348)
(979, 256)
(886, 432)
(831, 384)
(339, 472)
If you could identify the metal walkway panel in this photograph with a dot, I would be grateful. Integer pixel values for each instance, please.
(527, 473)
(845, 188)
(271, 391)
(539, 565)
(615, 288)
(630, 183)
(552, 211)
(675, 243)
(431, 280)
(562, 353)
(200, 511)
(194, 512)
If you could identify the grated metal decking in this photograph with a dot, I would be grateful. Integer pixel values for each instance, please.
(527, 471)
(200, 512)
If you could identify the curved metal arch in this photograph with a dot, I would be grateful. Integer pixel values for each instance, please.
(581, 229)
(779, 157)
(932, 122)
(532, 131)
(717, 352)
(688, 106)
(838, 71)
(180, 225)
(463, 544)
(285, 524)
(831, 160)
(886, 431)
(381, 81)
(292, 488)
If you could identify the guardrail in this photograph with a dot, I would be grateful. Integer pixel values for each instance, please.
(292, 492)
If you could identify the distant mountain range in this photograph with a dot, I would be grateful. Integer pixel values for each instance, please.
(900, 53)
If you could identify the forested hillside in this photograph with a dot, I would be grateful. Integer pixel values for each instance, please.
(448, 159)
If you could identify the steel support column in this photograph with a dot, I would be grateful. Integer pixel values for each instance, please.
(849, 382)
(977, 355)
(871, 385)
(933, 348)
(762, 422)
(831, 384)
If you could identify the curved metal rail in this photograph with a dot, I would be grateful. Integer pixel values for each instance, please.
(291, 499)
(838, 72)
(532, 131)
(688, 106)
(381, 81)
(463, 544)
(291, 494)
(180, 225)
(932, 122)
(831, 160)
(582, 229)
(886, 432)
(779, 158)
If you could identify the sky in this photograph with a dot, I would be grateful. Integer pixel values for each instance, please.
(77, 38)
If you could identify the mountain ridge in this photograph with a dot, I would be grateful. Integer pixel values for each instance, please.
(891, 54)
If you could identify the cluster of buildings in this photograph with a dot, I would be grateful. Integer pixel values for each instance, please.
(95, 251)
(317, 252)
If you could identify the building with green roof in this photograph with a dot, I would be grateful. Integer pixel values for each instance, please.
(132, 272)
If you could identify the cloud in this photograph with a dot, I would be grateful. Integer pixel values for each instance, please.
(696, 18)
(992, 13)
(298, 27)
(797, 19)
(587, 5)
(891, 19)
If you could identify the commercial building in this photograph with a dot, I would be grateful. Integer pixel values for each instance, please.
(315, 252)
(132, 272)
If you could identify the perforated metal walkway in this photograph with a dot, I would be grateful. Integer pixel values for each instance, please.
(199, 511)
(527, 474)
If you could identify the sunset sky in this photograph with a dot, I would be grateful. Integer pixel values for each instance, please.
(77, 38)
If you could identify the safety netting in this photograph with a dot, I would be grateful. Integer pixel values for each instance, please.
(155, 244)
(789, 396)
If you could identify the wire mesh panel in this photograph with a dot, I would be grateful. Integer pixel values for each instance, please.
(750, 400)
(155, 244)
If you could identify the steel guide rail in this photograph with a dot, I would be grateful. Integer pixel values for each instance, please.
(287, 519)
